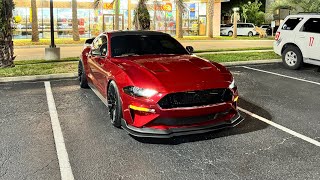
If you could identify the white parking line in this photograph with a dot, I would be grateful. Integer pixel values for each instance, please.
(303, 137)
(64, 164)
(268, 72)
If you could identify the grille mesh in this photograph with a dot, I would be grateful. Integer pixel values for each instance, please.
(195, 98)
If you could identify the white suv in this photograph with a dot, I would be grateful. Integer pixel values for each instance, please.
(298, 40)
(243, 29)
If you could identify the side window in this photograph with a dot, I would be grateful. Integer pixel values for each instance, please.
(291, 23)
(100, 46)
(240, 25)
(312, 26)
(250, 25)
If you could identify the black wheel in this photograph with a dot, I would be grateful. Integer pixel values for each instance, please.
(292, 58)
(82, 76)
(230, 33)
(114, 104)
(250, 34)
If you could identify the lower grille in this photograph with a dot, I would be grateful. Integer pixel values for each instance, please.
(189, 120)
(195, 98)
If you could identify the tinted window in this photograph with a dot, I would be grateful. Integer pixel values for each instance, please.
(312, 25)
(291, 23)
(250, 25)
(145, 45)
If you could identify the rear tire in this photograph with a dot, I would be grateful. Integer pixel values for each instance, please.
(292, 58)
(82, 77)
(114, 104)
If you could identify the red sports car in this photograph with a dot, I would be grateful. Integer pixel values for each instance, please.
(154, 87)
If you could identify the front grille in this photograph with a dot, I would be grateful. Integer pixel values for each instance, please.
(195, 98)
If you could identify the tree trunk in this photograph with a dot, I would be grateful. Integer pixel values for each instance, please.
(179, 30)
(210, 6)
(116, 14)
(6, 53)
(34, 17)
(75, 24)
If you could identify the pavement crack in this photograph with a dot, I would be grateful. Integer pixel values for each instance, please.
(270, 147)
(38, 170)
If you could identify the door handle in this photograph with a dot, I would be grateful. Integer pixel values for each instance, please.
(302, 36)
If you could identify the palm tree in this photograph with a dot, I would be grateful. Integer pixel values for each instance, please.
(179, 12)
(210, 12)
(6, 43)
(34, 19)
(75, 28)
(98, 3)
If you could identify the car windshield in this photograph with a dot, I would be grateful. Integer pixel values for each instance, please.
(136, 45)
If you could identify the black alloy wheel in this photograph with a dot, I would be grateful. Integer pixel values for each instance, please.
(114, 105)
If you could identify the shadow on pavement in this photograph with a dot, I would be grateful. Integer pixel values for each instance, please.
(248, 125)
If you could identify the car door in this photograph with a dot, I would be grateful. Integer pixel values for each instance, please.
(240, 29)
(308, 38)
(96, 60)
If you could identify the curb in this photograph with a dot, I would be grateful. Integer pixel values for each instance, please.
(234, 52)
(74, 75)
(241, 63)
(38, 77)
(45, 46)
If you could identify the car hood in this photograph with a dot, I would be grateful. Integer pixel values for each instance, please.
(175, 73)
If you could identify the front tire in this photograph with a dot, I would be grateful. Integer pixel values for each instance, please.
(82, 77)
(250, 34)
(114, 104)
(292, 58)
(230, 33)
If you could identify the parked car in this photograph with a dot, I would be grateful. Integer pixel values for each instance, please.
(298, 40)
(267, 28)
(154, 87)
(243, 29)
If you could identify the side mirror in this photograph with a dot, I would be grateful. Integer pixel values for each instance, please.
(190, 49)
(88, 42)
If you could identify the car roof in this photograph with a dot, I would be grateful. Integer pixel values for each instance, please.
(304, 15)
(129, 32)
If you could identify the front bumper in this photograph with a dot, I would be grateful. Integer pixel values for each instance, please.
(168, 133)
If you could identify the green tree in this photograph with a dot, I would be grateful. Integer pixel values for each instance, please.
(252, 12)
(75, 24)
(98, 3)
(34, 19)
(141, 18)
(297, 5)
(6, 43)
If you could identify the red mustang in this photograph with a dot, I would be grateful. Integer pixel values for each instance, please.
(154, 87)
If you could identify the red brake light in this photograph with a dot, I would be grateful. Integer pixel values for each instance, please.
(277, 36)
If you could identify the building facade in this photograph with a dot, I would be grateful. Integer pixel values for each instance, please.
(94, 21)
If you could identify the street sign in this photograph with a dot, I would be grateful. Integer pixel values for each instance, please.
(273, 24)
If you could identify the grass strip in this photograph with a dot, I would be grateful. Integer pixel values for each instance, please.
(233, 57)
(38, 67)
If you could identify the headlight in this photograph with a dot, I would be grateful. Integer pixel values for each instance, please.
(232, 85)
(139, 92)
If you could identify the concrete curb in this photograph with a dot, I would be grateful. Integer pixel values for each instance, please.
(242, 63)
(234, 52)
(45, 46)
(74, 75)
(38, 77)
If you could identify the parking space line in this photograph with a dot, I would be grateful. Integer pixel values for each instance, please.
(64, 163)
(303, 137)
(268, 72)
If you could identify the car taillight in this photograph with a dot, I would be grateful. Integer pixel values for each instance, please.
(277, 36)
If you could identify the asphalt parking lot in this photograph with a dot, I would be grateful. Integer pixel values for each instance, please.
(285, 146)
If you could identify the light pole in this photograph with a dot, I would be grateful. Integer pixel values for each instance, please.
(52, 52)
(235, 22)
